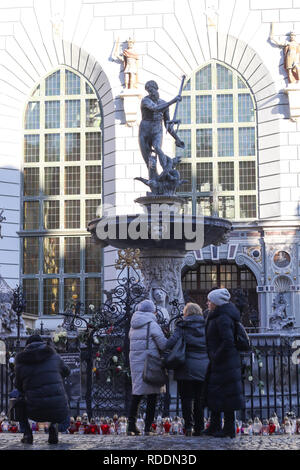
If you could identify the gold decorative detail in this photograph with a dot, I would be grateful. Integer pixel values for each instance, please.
(250, 251)
(129, 257)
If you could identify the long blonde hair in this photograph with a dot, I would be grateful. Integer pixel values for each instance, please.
(192, 309)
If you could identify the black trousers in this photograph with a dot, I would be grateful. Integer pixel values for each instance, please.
(191, 392)
(133, 411)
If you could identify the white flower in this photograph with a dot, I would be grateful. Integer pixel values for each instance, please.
(250, 378)
(108, 380)
(56, 338)
(115, 359)
(92, 307)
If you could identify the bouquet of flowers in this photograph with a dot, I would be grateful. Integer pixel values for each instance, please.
(60, 337)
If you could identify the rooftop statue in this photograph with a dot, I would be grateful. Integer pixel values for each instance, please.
(155, 112)
(291, 55)
(130, 59)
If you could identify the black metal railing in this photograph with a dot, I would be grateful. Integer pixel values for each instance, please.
(271, 376)
(270, 381)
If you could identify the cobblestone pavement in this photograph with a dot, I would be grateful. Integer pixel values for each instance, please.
(149, 443)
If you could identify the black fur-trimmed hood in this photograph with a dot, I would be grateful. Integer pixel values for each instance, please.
(35, 353)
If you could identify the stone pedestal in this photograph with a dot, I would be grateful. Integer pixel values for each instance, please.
(131, 99)
(293, 92)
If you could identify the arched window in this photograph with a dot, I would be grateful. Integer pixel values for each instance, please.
(218, 126)
(62, 185)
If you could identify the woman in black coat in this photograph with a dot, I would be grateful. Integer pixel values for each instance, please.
(190, 377)
(39, 378)
(224, 378)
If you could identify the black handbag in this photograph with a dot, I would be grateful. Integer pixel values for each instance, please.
(176, 357)
(154, 373)
(17, 409)
(241, 338)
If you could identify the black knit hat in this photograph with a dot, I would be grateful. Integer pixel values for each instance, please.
(34, 339)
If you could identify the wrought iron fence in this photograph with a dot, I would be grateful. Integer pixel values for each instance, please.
(271, 377)
(270, 380)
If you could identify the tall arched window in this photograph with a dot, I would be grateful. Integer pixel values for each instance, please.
(218, 125)
(61, 193)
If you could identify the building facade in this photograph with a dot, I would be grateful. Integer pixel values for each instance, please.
(69, 141)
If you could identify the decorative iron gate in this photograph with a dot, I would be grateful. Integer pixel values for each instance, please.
(105, 339)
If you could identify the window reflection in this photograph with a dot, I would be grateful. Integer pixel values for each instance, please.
(51, 255)
(53, 84)
(62, 127)
(72, 113)
(52, 114)
(32, 118)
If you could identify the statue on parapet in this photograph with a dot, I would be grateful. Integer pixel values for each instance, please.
(291, 56)
(155, 112)
(130, 61)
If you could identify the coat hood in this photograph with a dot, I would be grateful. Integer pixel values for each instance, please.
(35, 353)
(195, 322)
(140, 319)
(229, 309)
(193, 327)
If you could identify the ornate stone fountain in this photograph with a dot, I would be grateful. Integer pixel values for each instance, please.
(163, 233)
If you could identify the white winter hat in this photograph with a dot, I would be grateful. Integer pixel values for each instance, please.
(219, 296)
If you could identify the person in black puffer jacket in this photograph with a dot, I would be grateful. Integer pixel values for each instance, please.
(39, 378)
(190, 377)
(224, 378)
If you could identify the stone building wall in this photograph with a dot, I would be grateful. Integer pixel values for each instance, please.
(173, 37)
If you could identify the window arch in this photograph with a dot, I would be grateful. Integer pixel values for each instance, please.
(61, 193)
(218, 126)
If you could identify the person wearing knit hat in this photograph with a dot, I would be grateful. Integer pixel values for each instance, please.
(144, 315)
(219, 296)
(224, 391)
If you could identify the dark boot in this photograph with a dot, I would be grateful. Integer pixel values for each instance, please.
(27, 438)
(186, 406)
(229, 424)
(53, 434)
(198, 417)
(150, 412)
(132, 430)
(215, 424)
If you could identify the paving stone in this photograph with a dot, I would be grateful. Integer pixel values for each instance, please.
(149, 443)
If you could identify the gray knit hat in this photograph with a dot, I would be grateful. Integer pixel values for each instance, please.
(219, 296)
(146, 306)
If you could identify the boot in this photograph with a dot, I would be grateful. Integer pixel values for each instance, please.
(132, 430)
(53, 434)
(198, 420)
(186, 406)
(215, 424)
(27, 439)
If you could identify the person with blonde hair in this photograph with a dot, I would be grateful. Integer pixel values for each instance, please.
(190, 376)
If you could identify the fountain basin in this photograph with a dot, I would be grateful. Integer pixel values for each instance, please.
(174, 233)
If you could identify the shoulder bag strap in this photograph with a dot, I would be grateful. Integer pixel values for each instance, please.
(148, 331)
